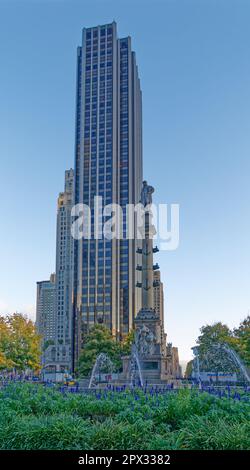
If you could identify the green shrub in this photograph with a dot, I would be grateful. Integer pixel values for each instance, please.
(214, 433)
(33, 417)
(60, 432)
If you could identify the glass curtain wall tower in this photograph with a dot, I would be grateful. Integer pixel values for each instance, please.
(108, 163)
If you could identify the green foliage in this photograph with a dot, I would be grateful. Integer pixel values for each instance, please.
(189, 369)
(127, 343)
(214, 433)
(48, 343)
(238, 339)
(212, 334)
(98, 340)
(242, 340)
(32, 417)
(19, 343)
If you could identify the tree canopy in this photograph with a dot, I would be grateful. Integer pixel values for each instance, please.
(219, 333)
(237, 339)
(242, 340)
(189, 369)
(19, 343)
(100, 340)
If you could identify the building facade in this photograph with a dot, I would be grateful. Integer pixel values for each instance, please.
(159, 307)
(45, 314)
(108, 163)
(158, 296)
(174, 368)
(64, 265)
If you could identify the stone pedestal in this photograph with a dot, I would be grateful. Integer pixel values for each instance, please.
(149, 347)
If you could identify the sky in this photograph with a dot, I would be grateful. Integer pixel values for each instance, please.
(194, 65)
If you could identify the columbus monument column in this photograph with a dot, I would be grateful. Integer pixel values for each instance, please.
(149, 360)
(148, 329)
(147, 267)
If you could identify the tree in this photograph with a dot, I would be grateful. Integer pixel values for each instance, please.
(212, 334)
(19, 343)
(98, 340)
(217, 359)
(242, 340)
(189, 369)
(127, 342)
(48, 343)
(211, 358)
(5, 361)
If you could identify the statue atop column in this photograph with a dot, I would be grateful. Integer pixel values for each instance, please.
(146, 194)
(147, 266)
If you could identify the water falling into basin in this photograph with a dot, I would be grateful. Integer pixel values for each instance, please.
(237, 361)
(135, 367)
(218, 349)
(102, 363)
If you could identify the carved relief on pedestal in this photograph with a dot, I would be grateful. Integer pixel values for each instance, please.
(158, 334)
(145, 341)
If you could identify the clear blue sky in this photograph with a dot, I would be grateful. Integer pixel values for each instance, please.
(194, 64)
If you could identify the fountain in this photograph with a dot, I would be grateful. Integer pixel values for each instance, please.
(135, 367)
(236, 360)
(216, 352)
(196, 364)
(102, 362)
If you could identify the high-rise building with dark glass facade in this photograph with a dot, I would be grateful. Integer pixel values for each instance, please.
(108, 163)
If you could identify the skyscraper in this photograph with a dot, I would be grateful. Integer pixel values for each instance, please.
(64, 261)
(45, 314)
(54, 297)
(108, 163)
(158, 296)
(159, 306)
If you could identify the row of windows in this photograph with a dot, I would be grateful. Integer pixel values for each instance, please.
(95, 78)
(90, 161)
(102, 32)
(104, 52)
(106, 66)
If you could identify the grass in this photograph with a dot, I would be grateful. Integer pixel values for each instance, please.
(34, 417)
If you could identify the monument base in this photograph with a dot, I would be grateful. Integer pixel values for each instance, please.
(149, 353)
(154, 369)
